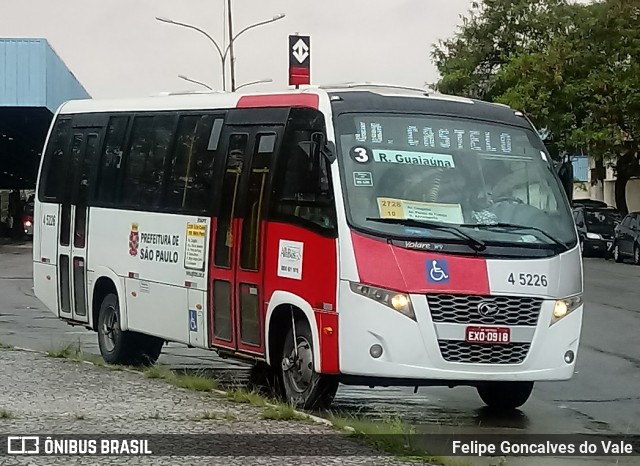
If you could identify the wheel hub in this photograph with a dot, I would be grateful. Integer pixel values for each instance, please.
(110, 330)
(299, 368)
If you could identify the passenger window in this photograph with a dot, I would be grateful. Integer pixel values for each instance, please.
(300, 195)
(230, 187)
(150, 139)
(260, 168)
(111, 159)
(54, 170)
(191, 175)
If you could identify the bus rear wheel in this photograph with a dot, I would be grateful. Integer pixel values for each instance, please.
(505, 395)
(304, 388)
(122, 347)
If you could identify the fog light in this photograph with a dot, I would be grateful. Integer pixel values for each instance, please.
(375, 351)
(569, 356)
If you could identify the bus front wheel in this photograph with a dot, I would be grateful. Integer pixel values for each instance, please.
(304, 387)
(505, 395)
(122, 347)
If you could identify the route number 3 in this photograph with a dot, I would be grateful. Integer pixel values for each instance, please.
(528, 279)
(360, 154)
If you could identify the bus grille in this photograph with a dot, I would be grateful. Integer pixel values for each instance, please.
(461, 351)
(461, 309)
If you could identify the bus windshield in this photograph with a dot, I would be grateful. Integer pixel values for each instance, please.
(489, 181)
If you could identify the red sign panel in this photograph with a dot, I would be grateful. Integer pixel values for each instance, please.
(299, 60)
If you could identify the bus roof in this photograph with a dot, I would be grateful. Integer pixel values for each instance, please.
(371, 98)
(352, 97)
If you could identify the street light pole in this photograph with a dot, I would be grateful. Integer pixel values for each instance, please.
(260, 81)
(228, 52)
(230, 47)
(211, 39)
(195, 82)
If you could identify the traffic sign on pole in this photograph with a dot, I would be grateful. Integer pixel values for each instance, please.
(299, 60)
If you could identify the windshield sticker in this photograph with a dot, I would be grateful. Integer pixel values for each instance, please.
(362, 178)
(427, 211)
(413, 158)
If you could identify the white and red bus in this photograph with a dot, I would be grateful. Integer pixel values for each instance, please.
(363, 235)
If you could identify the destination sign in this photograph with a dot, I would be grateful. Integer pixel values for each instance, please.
(442, 134)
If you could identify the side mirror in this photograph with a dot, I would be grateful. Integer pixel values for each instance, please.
(565, 173)
(317, 152)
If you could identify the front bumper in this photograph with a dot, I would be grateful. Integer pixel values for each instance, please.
(413, 350)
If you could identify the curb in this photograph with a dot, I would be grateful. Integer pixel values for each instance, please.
(315, 419)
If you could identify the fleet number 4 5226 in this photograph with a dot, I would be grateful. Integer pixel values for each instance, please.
(528, 279)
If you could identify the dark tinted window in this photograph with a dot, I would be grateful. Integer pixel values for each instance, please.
(627, 221)
(83, 188)
(54, 168)
(602, 218)
(111, 159)
(150, 139)
(302, 190)
(230, 186)
(191, 174)
(258, 178)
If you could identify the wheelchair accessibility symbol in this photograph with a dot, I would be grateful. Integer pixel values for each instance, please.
(193, 320)
(437, 271)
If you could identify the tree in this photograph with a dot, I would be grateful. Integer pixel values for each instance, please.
(573, 69)
(494, 32)
(585, 87)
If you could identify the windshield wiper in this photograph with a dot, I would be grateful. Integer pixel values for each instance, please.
(474, 243)
(513, 226)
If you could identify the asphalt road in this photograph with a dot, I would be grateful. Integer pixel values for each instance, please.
(603, 396)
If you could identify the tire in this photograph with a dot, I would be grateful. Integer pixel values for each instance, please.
(636, 255)
(121, 347)
(266, 380)
(505, 395)
(616, 253)
(303, 387)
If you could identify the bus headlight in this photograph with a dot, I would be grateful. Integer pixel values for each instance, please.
(400, 302)
(564, 307)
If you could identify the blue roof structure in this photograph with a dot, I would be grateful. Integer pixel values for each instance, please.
(34, 82)
(33, 75)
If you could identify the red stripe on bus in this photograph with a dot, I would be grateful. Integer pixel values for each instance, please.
(329, 349)
(387, 266)
(280, 100)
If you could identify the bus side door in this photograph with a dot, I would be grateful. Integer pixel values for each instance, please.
(72, 238)
(237, 271)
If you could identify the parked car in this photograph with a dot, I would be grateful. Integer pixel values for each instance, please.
(596, 228)
(627, 239)
(589, 203)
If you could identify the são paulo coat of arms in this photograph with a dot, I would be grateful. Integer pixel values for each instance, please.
(134, 240)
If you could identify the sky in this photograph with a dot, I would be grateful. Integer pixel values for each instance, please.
(116, 48)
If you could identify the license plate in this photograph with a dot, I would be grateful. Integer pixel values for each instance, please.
(488, 335)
